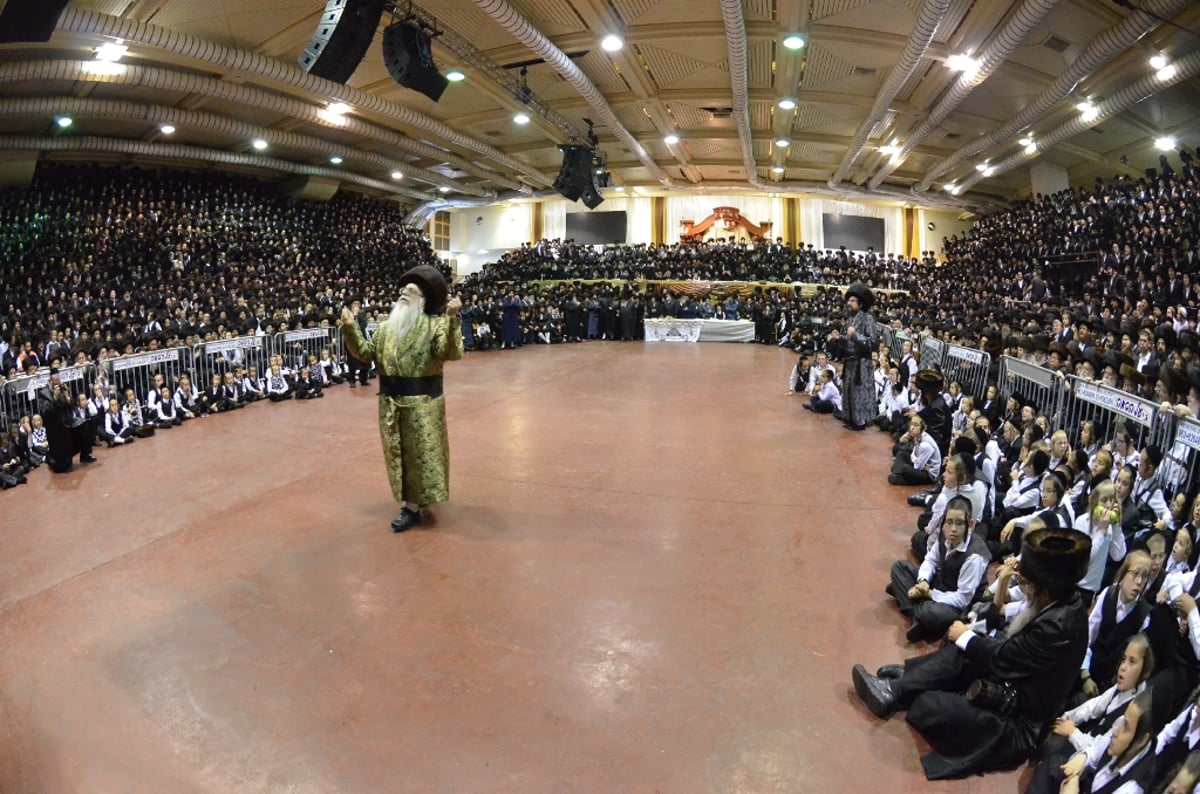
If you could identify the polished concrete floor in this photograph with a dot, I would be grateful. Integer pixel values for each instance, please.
(654, 575)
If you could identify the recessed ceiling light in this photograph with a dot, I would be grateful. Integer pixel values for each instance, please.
(339, 108)
(612, 43)
(167, 129)
(793, 41)
(671, 140)
(259, 143)
(1167, 72)
(456, 75)
(521, 118)
(335, 159)
(787, 104)
(1164, 143)
(952, 189)
(777, 169)
(443, 189)
(1158, 61)
(112, 51)
(1024, 141)
(64, 121)
(1031, 147)
(397, 175)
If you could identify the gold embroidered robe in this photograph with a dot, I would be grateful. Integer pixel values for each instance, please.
(413, 429)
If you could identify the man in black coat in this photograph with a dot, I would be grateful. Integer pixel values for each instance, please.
(985, 703)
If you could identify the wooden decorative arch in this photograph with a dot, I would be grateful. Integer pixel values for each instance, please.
(727, 219)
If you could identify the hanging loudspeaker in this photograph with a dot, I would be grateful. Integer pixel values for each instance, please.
(409, 60)
(342, 38)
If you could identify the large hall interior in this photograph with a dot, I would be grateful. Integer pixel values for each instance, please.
(676, 237)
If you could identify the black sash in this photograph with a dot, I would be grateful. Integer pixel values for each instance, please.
(430, 385)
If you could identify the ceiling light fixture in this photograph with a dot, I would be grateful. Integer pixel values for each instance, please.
(335, 159)
(443, 189)
(1031, 147)
(612, 43)
(112, 51)
(962, 63)
(1084, 106)
(456, 75)
(521, 118)
(781, 142)
(1164, 143)
(892, 148)
(793, 41)
(619, 188)
(671, 140)
(787, 104)
(777, 169)
(1091, 114)
(952, 189)
(397, 175)
(259, 144)
(339, 108)
(167, 129)
(64, 121)
(1025, 141)
(981, 166)
(1167, 72)
(1158, 61)
(991, 169)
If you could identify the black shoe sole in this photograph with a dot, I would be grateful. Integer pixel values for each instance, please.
(865, 694)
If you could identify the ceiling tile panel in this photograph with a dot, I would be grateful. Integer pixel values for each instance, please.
(633, 119)
(688, 116)
(667, 67)
(551, 17)
(599, 69)
(809, 117)
(760, 115)
(759, 59)
(824, 67)
(759, 9)
(631, 10)
(828, 8)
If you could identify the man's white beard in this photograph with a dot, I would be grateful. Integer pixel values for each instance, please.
(1022, 620)
(404, 315)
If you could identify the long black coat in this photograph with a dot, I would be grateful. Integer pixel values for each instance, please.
(1041, 662)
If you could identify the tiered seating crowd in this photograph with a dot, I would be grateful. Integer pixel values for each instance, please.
(100, 262)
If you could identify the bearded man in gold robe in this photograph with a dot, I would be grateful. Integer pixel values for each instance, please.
(422, 332)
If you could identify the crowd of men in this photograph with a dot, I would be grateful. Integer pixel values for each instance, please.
(107, 261)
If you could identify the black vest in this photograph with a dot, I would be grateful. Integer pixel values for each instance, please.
(1141, 773)
(1110, 641)
(946, 578)
(1177, 750)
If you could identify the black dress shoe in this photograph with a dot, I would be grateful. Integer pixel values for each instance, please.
(405, 519)
(915, 633)
(876, 693)
(87, 458)
(890, 671)
(920, 499)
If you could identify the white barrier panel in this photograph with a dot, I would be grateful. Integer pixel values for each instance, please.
(1126, 405)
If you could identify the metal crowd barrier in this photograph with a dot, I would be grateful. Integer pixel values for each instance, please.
(219, 357)
(1113, 409)
(1181, 462)
(932, 351)
(18, 397)
(969, 368)
(296, 346)
(138, 370)
(1032, 385)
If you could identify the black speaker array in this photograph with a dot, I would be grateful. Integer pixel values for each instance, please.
(342, 38)
(575, 176)
(30, 20)
(409, 60)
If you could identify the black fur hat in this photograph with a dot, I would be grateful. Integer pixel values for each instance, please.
(1055, 559)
